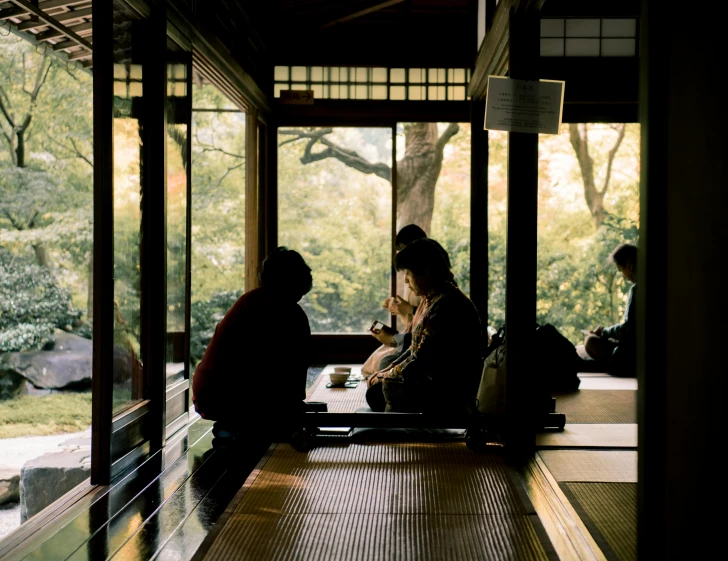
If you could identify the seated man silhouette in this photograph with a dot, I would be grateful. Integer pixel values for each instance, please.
(253, 372)
(615, 347)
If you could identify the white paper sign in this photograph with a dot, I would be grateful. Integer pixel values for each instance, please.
(524, 105)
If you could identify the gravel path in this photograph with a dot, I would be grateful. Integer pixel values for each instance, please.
(14, 452)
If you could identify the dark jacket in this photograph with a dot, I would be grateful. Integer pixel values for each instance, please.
(256, 361)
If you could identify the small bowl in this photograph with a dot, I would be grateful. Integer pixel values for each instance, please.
(342, 369)
(338, 378)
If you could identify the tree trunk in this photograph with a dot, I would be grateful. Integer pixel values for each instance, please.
(20, 148)
(417, 174)
(579, 137)
(41, 254)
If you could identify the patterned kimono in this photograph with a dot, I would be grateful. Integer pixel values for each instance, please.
(443, 365)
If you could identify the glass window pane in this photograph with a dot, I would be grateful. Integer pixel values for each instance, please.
(619, 47)
(417, 92)
(397, 93)
(432, 75)
(441, 76)
(497, 221)
(298, 73)
(582, 47)
(343, 74)
(334, 91)
(432, 93)
(176, 235)
(619, 28)
(120, 72)
(441, 93)
(442, 208)
(552, 47)
(317, 73)
(280, 73)
(340, 219)
(397, 75)
(552, 28)
(218, 214)
(318, 91)
(362, 92)
(362, 75)
(460, 75)
(277, 89)
(379, 92)
(127, 189)
(379, 75)
(334, 74)
(416, 75)
(459, 93)
(582, 28)
(344, 92)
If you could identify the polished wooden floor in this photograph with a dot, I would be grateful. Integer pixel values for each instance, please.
(353, 499)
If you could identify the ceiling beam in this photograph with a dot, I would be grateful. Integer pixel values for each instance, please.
(53, 22)
(360, 13)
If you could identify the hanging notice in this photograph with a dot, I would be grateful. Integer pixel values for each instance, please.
(524, 105)
(297, 97)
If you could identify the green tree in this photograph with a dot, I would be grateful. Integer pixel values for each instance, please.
(46, 165)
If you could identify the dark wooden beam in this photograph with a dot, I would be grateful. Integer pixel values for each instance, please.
(521, 247)
(360, 13)
(103, 247)
(494, 52)
(74, 29)
(56, 24)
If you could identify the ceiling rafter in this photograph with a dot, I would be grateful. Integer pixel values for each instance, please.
(62, 25)
(360, 13)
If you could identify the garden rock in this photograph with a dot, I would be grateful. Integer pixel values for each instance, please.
(67, 366)
(9, 485)
(46, 479)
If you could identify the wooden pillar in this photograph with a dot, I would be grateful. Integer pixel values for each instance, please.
(524, 46)
(252, 259)
(103, 249)
(479, 213)
(682, 299)
(154, 220)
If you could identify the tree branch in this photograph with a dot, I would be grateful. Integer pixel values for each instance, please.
(450, 131)
(227, 172)
(348, 157)
(612, 155)
(80, 155)
(4, 110)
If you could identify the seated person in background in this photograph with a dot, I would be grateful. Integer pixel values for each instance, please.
(441, 370)
(394, 343)
(616, 346)
(253, 372)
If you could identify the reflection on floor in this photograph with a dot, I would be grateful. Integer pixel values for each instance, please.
(416, 500)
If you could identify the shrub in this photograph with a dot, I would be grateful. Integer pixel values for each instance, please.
(32, 304)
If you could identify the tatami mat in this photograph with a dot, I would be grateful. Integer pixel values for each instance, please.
(598, 406)
(339, 400)
(609, 511)
(382, 501)
(594, 466)
(590, 436)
